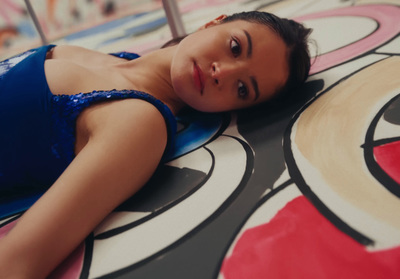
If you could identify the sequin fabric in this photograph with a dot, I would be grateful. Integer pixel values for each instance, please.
(126, 55)
(8, 64)
(38, 128)
(66, 109)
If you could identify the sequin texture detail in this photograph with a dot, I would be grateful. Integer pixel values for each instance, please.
(66, 109)
(125, 55)
(8, 64)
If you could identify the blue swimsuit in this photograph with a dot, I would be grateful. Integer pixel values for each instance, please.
(37, 128)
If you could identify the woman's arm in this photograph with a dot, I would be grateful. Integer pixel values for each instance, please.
(122, 153)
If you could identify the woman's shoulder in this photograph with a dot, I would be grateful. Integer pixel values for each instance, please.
(83, 55)
(127, 117)
(124, 125)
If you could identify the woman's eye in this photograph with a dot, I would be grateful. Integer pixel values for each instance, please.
(242, 90)
(235, 48)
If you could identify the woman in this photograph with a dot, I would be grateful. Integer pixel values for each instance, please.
(104, 145)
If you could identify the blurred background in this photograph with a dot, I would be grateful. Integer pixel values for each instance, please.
(60, 18)
(105, 25)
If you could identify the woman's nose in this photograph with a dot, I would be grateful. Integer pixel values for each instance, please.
(219, 72)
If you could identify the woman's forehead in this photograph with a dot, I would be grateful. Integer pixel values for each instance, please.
(269, 59)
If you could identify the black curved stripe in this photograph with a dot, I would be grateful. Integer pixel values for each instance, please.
(211, 218)
(386, 181)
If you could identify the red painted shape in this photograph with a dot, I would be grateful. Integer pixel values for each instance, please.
(387, 156)
(300, 243)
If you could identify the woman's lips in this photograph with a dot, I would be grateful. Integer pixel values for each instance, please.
(198, 78)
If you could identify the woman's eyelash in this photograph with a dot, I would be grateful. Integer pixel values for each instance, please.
(236, 49)
(243, 92)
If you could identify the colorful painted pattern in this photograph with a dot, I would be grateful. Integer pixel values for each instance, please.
(307, 191)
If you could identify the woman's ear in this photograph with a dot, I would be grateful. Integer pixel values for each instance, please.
(213, 22)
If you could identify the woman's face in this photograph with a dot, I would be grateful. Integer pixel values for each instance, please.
(229, 66)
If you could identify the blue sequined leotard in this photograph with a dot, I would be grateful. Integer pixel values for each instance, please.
(37, 128)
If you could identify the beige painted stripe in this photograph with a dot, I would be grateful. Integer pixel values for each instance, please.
(331, 130)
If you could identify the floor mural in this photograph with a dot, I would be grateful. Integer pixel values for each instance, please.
(310, 190)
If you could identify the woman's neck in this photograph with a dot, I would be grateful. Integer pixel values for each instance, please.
(151, 74)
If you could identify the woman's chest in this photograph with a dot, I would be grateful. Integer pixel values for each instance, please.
(66, 77)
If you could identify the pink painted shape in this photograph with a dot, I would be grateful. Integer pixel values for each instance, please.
(300, 243)
(70, 268)
(6, 228)
(387, 156)
(388, 18)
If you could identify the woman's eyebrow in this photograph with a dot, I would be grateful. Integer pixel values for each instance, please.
(249, 44)
(249, 52)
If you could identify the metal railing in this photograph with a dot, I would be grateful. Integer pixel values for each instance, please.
(170, 7)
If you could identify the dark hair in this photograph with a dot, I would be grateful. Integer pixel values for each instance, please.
(294, 35)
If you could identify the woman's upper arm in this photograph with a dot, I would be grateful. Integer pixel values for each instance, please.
(122, 153)
(126, 143)
(117, 161)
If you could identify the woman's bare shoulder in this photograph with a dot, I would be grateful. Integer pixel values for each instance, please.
(128, 121)
(82, 55)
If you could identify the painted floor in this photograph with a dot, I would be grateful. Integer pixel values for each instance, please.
(311, 190)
